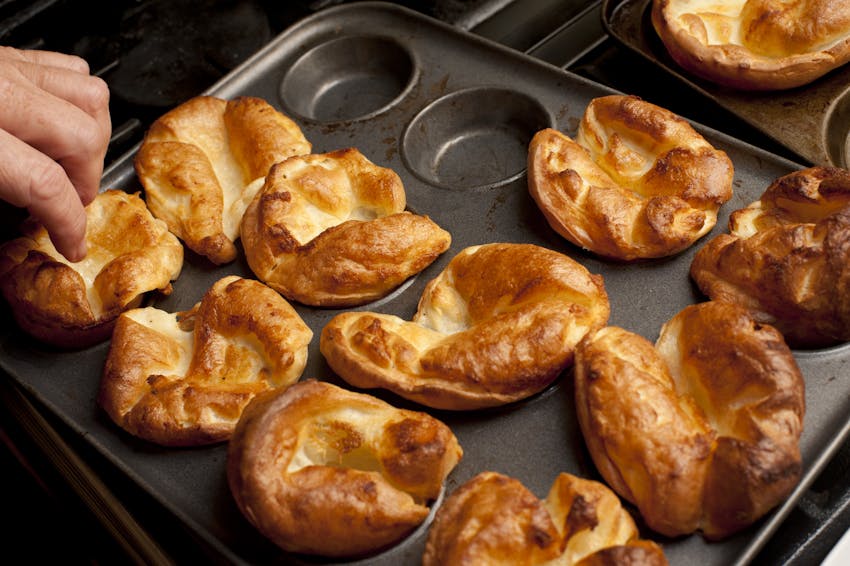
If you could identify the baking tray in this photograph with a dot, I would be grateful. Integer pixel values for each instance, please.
(812, 120)
(453, 114)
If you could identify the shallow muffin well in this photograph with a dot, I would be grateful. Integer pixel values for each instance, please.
(837, 131)
(347, 78)
(473, 138)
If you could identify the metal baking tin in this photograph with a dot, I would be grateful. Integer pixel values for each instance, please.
(811, 120)
(453, 114)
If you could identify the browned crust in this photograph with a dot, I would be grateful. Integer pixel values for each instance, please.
(511, 525)
(49, 298)
(527, 306)
(172, 171)
(494, 519)
(261, 136)
(643, 552)
(176, 163)
(350, 263)
(779, 48)
(596, 193)
(142, 392)
(793, 271)
(334, 509)
(700, 432)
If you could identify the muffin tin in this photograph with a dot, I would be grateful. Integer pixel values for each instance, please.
(811, 120)
(452, 114)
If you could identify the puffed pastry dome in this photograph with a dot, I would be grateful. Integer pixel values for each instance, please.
(700, 431)
(636, 182)
(494, 519)
(202, 162)
(755, 44)
(331, 230)
(787, 258)
(74, 305)
(498, 324)
(183, 379)
(321, 470)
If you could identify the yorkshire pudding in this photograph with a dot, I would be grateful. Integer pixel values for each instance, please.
(74, 305)
(497, 325)
(321, 470)
(330, 230)
(637, 182)
(183, 379)
(494, 519)
(701, 431)
(787, 258)
(202, 162)
(755, 44)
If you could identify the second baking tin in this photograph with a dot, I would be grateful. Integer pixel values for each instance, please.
(811, 120)
(452, 114)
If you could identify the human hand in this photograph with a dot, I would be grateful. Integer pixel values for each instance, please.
(54, 133)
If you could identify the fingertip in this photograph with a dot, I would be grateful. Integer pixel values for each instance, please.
(88, 195)
(78, 253)
(78, 248)
(72, 251)
(65, 223)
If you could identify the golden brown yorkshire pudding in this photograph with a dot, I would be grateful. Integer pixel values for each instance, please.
(755, 44)
(498, 324)
(701, 431)
(637, 181)
(321, 470)
(787, 258)
(494, 519)
(183, 379)
(330, 230)
(74, 305)
(202, 162)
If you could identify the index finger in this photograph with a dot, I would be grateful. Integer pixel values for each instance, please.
(32, 180)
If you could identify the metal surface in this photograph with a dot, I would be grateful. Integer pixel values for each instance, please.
(812, 120)
(465, 170)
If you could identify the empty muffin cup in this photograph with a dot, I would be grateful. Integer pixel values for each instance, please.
(347, 78)
(473, 139)
(838, 131)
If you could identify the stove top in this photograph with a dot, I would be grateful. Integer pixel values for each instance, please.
(155, 54)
